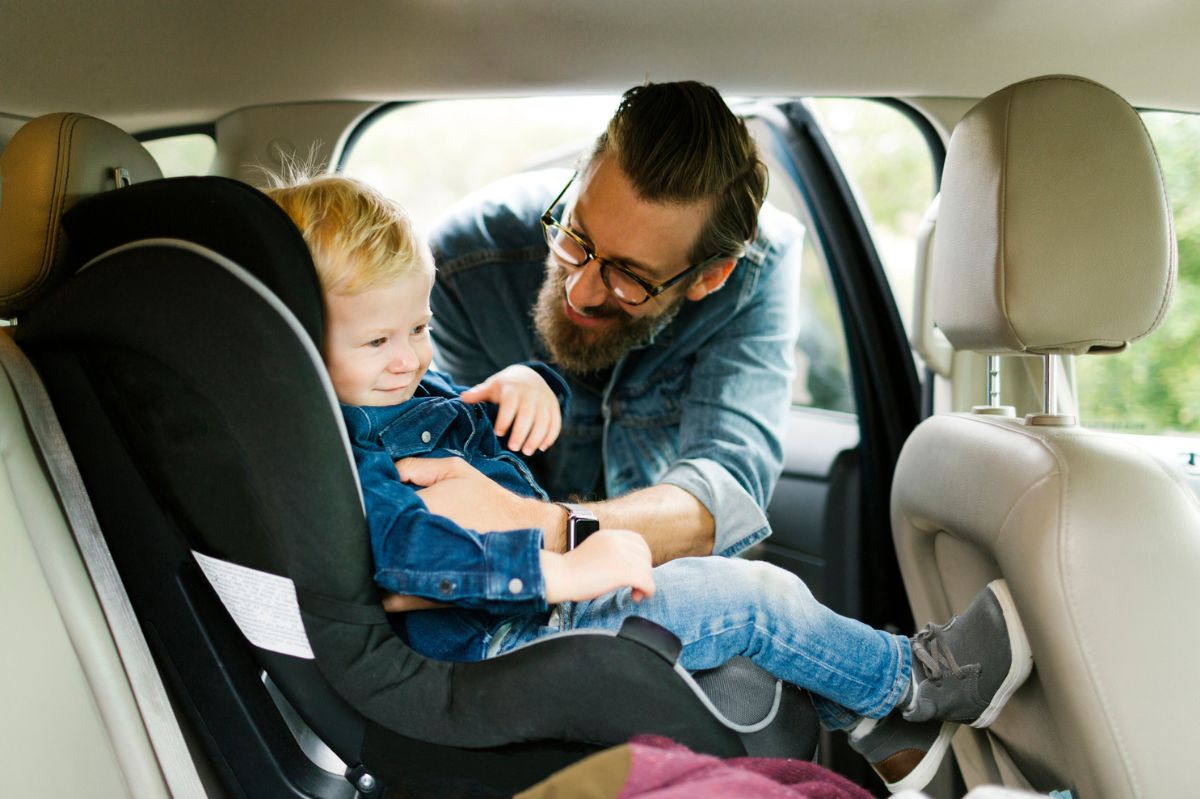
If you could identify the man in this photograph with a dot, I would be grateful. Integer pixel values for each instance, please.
(653, 283)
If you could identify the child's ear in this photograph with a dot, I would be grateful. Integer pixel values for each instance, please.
(713, 277)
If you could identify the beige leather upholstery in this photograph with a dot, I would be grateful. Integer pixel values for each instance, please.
(1099, 540)
(61, 678)
(1100, 545)
(62, 675)
(49, 165)
(1054, 234)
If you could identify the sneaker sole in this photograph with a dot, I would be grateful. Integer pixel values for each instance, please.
(1022, 655)
(925, 771)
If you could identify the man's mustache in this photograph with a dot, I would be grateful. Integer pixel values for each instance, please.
(607, 310)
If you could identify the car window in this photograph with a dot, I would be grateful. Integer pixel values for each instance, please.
(889, 166)
(427, 156)
(1154, 387)
(183, 155)
(822, 362)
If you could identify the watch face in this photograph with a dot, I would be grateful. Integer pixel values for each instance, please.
(580, 524)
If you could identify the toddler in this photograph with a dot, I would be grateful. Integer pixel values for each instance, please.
(896, 697)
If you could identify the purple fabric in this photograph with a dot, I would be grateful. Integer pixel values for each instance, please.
(663, 769)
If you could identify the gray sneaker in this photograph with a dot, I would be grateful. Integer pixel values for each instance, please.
(989, 643)
(905, 754)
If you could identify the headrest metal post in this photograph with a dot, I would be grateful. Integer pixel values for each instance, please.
(1050, 385)
(992, 406)
(993, 380)
(1050, 417)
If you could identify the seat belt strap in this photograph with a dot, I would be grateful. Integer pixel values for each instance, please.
(166, 738)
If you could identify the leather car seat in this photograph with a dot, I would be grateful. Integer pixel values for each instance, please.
(1054, 237)
(176, 325)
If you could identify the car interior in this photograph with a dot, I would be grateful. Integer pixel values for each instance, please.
(186, 578)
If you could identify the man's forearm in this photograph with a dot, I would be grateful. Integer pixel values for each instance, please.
(674, 523)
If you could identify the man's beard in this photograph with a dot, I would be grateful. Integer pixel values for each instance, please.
(582, 350)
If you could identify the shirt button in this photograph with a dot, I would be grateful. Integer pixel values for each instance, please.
(446, 586)
(425, 437)
(515, 585)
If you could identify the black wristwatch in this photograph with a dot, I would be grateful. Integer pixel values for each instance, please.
(581, 523)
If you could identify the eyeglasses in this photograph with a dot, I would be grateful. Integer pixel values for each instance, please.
(573, 251)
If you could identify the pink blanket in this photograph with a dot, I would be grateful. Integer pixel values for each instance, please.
(663, 769)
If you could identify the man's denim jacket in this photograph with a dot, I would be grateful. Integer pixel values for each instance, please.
(417, 552)
(701, 406)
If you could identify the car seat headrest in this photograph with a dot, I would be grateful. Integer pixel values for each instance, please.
(1055, 235)
(224, 215)
(49, 165)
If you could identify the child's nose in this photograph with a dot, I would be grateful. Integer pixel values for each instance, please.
(404, 359)
(585, 288)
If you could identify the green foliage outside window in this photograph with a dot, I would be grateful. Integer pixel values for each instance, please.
(1154, 387)
(890, 168)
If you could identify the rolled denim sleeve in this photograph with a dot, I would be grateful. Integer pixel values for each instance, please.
(739, 520)
(420, 553)
(735, 410)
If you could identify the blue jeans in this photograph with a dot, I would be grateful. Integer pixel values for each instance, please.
(724, 607)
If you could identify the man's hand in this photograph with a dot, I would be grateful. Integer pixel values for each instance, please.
(527, 407)
(457, 490)
(605, 561)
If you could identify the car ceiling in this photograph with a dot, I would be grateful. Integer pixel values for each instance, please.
(153, 63)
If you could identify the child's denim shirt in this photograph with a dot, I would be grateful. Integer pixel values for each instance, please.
(420, 553)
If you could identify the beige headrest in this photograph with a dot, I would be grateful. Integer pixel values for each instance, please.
(50, 164)
(1054, 233)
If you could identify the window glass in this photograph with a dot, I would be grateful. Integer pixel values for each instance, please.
(888, 164)
(1154, 387)
(179, 156)
(427, 156)
(822, 363)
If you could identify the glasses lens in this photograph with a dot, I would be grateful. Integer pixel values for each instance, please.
(622, 286)
(565, 247)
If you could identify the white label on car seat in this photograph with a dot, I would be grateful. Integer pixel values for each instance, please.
(262, 605)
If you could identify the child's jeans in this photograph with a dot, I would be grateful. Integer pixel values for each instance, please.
(724, 607)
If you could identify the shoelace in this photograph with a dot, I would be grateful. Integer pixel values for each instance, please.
(931, 652)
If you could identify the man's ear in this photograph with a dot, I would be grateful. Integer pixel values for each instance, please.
(711, 279)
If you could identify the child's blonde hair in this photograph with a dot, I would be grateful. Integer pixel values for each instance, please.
(358, 238)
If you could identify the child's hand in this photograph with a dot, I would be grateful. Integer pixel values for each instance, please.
(527, 407)
(402, 603)
(606, 561)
